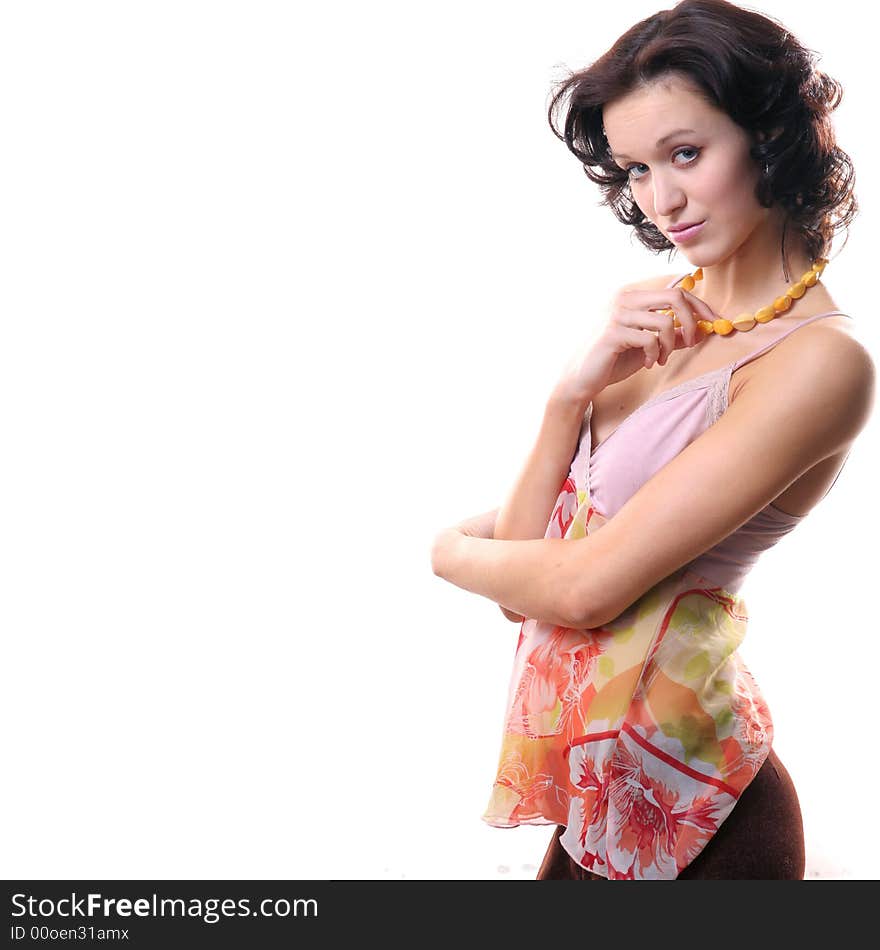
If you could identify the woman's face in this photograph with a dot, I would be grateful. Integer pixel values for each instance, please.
(705, 174)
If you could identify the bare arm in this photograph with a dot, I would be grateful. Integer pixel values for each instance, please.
(529, 504)
(625, 345)
(620, 349)
(616, 353)
(526, 510)
(693, 502)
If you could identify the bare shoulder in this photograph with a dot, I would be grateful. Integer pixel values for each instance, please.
(826, 362)
(828, 348)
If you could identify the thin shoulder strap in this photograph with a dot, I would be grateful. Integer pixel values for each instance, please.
(772, 343)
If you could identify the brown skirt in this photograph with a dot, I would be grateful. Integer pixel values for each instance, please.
(761, 839)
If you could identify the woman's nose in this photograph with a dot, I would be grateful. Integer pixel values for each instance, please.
(668, 197)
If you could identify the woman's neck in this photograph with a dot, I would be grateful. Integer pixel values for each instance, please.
(753, 276)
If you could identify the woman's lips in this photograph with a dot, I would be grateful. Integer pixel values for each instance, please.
(681, 237)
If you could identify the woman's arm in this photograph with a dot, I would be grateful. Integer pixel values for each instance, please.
(526, 511)
(719, 482)
(477, 526)
(614, 354)
(536, 578)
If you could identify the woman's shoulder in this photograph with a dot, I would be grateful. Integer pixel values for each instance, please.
(828, 357)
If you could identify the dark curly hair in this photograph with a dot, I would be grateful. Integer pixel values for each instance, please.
(753, 69)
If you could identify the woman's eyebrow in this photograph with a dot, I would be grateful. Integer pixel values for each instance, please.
(666, 137)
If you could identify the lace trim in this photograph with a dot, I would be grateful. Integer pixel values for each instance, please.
(717, 398)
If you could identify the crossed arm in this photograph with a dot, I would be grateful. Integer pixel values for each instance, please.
(532, 578)
(765, 440)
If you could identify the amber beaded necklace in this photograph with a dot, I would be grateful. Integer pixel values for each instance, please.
(745, 321)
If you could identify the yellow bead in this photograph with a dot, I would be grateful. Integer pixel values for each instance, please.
(722, 326)
(765, 314)
(781, 304)
(698, 273)
(796, 290)
(809, 279)
(675, 322)
(745, 321)
(688, 283)
(706, 326)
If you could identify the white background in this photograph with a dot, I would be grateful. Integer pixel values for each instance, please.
(285, 288)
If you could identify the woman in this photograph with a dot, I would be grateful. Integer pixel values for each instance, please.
(711, 414)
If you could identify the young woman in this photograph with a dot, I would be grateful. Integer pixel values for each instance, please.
(710, 415)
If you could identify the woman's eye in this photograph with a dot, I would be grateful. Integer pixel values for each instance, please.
(695, 152)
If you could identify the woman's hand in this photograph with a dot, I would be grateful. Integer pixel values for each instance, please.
(636, 336)
(479, 526)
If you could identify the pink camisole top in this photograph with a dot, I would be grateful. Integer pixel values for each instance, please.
(654, 434)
